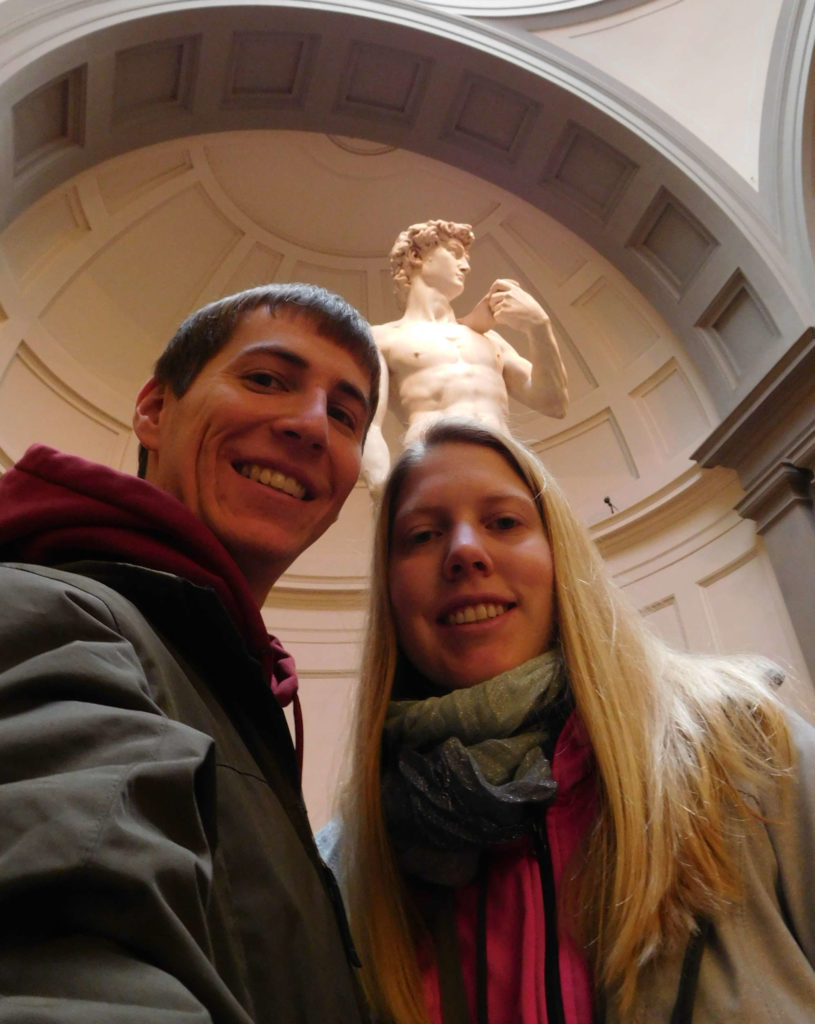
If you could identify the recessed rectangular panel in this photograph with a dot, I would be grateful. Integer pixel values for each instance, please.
(258, 268)
(664, 618)
(49, 119)
(351, 284)
(620, 326)
(674, 242)
(553, 246)
(154, 76)
(42, 231)
(382, 81)
(146, 260)
(38, 408)
(128, 177)
(738, 327)
(589, 171)
(743, 328)
(671, 410)
(491, 115)
(269, 68)
(589, 461)
(742, 606)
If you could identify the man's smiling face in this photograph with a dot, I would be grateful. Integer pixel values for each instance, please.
(265, 445)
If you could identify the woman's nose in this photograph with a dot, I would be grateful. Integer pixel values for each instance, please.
(466, 553)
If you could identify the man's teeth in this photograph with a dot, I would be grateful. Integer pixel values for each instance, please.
(475, 613)
(273, 478)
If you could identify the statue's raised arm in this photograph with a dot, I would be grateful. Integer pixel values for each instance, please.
(541, 383)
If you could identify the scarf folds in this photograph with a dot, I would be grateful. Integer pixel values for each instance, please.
(470, 769)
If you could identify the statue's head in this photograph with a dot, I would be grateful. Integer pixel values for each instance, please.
(416, 242)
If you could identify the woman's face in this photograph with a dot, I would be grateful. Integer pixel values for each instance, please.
(470, 571)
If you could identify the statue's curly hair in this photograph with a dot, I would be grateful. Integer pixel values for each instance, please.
(420, 239)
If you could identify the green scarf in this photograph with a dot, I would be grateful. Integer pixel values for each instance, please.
(471, 768)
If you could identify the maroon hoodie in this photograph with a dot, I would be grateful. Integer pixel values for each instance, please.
(57, 508)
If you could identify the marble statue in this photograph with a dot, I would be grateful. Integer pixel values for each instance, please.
(436, 364)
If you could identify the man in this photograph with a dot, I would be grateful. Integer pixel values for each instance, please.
(437, 365)
(156, 860)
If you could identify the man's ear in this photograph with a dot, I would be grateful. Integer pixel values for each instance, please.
(147, 414)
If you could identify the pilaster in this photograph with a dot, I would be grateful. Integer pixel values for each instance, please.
(769, 440)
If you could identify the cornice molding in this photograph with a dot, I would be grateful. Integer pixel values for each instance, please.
(541, 13)
(669, 506)
(319, 593)
(772, 421)
(776, 492)
(769, 438)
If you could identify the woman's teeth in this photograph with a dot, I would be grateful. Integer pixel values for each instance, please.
(475, 613)
(273, 478)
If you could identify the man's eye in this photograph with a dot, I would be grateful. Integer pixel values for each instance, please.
(337, 412)
(264, 379)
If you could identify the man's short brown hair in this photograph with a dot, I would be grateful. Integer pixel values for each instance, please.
(205, 332)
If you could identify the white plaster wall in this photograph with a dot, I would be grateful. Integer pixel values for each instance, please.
(702, 62)
(703, 579)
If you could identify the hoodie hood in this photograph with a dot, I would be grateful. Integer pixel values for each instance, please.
(57, 508)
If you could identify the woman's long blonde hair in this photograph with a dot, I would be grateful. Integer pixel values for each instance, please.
(673, 735)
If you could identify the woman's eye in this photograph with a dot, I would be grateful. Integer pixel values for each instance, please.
(420, 537)
(504, 522)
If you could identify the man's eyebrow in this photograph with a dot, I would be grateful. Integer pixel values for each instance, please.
(269, 348)
(288, 355)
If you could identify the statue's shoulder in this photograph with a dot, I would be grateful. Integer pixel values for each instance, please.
(387, 336)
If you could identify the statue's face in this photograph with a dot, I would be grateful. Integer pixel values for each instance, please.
(445, 268)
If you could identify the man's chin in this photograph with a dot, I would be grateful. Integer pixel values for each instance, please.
(264, 562)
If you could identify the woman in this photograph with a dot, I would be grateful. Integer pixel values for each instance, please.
(551, 816)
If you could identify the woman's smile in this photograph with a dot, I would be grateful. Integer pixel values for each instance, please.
(479, 612)
(470, 573)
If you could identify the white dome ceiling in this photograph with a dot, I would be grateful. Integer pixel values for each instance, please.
(106, 266)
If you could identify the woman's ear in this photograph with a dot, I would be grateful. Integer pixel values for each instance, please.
(147, 414)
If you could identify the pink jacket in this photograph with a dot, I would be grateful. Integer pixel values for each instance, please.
(517, 908)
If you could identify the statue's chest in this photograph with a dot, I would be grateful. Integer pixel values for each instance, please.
(433, 346)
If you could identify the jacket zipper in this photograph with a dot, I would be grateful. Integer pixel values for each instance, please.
(554, 995)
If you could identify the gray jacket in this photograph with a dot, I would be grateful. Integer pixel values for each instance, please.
(156, 860)
(758, 962)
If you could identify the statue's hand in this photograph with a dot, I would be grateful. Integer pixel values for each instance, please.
(480, 318)
(511, 305)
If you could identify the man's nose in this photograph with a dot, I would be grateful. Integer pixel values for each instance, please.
(466, 553)
(306, 419)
